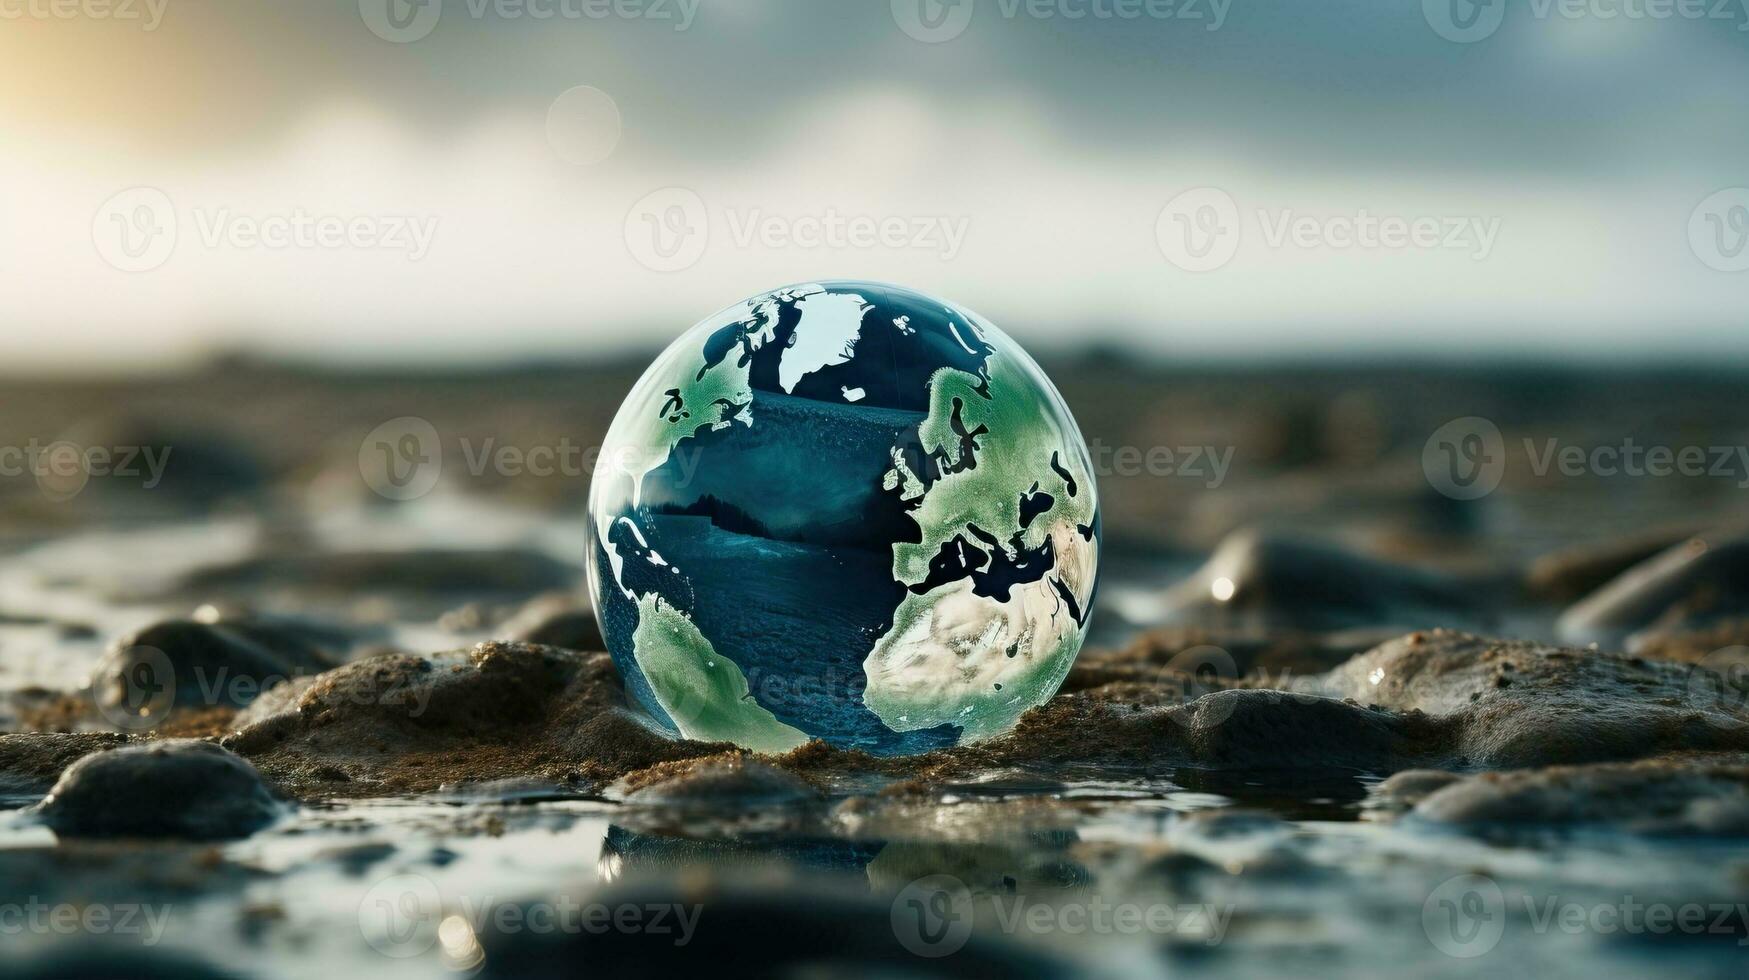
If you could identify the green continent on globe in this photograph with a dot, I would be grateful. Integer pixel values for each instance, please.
(954, 656)
(843, 511)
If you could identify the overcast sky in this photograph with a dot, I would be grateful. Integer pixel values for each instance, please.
(391, 180)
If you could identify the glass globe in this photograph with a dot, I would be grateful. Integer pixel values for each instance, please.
(845, 511)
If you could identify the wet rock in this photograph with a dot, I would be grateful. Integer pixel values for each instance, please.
(405, 723)
(1513, 704)
(434, 573)
(273, 701)
(627, 851)
(101, 960)
(176, 788)
(505, 791)
(1238, 729)
(1723, 643)
(1228, 824)
(194, 664)
(1660, 796)
(1573, 573)
(1410, 787)
(717, 780)
(193, 467)
(792, 928)
(557, 621)
(1692, 586)
(30, 763)
(1273, 582)
(1215, 655)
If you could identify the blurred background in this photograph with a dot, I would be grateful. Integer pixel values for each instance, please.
(523, 180)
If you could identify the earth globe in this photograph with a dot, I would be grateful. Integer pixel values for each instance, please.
(845, 511)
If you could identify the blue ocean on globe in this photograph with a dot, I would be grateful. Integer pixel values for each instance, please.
(844, 511)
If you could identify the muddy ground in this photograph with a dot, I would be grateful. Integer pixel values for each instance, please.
(1347, 707)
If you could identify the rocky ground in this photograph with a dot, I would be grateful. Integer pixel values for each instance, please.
(1331, 718)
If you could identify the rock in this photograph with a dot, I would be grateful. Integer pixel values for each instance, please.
(30, 763)
(96, 959)
(1573, 573)
(1214, 655)
(275, 700)
(1723, 643)
(437, 574)
(412, 724)
(1238, 729)
(1688, 587)
(1269, 582)
(557, 621)
(1513, 704)
(1411, 786)
(799, 928)
(731, 779)
(175, 788)
(195, 468)
(193, 664)
(1657, 796)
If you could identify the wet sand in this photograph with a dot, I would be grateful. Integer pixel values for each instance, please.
(1330, 718)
